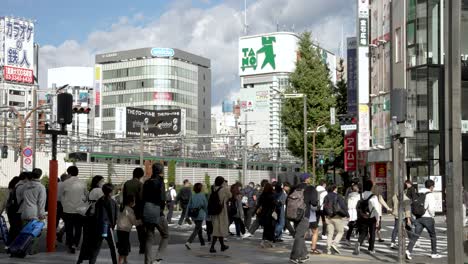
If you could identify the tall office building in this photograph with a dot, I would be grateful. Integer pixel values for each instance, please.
(154, 79)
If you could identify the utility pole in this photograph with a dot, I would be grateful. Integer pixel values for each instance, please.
(244, 156)
(452, 130)
(304, 98)
(34, 103)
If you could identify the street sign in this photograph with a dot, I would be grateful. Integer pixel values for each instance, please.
(349, 127)
(27, 161)
(27, 152)
(332, 116)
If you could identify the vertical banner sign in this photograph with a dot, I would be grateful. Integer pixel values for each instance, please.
(17, 56)
(120, 122)
(27, 159)
(350, 159)
(364, 128)
(363, 137)
(352, 75)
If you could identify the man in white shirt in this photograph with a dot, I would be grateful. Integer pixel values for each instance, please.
(425, 222)
(73, 194)
(171, 196)
(322, 192)
(368, 221)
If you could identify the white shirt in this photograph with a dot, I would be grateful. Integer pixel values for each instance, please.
(353, 199)
(430, 205)
(173, 193)
(374, 205)
(73, 195)
(322, 192)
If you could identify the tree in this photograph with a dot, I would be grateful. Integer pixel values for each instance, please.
(171, 171)
(312, 78)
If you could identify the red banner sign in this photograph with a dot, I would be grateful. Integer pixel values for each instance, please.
(18, 74)
(350, 159)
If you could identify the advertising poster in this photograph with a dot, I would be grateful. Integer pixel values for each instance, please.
(154, 122)
(364, 128)
(350, 159)
(352, 75)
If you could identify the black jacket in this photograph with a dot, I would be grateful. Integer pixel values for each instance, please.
(310, 196)
(154, 192)
(106, 211)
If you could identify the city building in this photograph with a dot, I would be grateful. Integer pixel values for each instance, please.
(80, 85)
(154, 79)
(265, 62)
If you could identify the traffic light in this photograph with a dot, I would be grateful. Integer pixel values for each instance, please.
(321, 159)
(64, 108)
(81, 110)
(347, 120)
(331, 157)
(4, 152)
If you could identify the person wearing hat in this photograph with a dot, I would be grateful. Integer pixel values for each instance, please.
(299, 252)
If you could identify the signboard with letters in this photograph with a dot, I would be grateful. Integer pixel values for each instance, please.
(155, 122)
(350, 159)
(17, 49)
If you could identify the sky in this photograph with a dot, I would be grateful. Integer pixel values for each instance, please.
(70, 33)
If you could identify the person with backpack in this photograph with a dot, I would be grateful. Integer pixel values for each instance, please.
(183, 199)
(353, 199)
(298, 205)
(217, 209)
(423, 207)
(171, 196)
(133, 188)
(90, 226)
(197, 208)
(250, 197)
(154, 199)
(12, 208)
(236, 212)
(369, 212)
(335, 210)
(73, 196)
(106, 216)
(322, 192)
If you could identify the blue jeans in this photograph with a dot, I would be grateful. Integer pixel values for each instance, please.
(420, 224)
(280, 225)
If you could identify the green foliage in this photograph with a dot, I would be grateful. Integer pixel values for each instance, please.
(312, 78)
(171, 171)
(207, 182)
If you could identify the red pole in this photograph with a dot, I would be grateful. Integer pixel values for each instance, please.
(52, 208)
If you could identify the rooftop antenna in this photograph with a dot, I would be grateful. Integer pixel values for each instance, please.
(277, 26)
(246, 27)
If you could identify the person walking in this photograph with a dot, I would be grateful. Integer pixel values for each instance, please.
(335, 210)
(91, 232)
(369, 213)
(171, 196)
(197, 208)
(183, 199)
(12, 208)
(287, 222)
(106, 214)
(33, 206)
(378, 192)
(221, 194)
(406, 213)
(267, 214)
(154, 199)
(322, 192)
(60, 231)
(425, 221)
(125, 221)
(133, 188)
(353, 199)
(256, 224)
(73, 195)
(310, 198)
(280, 198)
(236, 211)
(250, 197)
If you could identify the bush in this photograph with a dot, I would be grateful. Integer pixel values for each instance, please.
(207, 182)
(171, 171)
(45, 181)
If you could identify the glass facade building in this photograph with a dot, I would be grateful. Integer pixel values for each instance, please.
(138, 79)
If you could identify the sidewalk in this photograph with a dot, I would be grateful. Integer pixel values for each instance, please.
(244, 252)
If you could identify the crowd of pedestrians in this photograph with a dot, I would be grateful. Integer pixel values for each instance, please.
(92, 214)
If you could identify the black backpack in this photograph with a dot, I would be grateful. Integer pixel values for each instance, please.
(363, 208)
(232, 207)
(12, 202)
(168, 196)
(417, 204)
(214, 203)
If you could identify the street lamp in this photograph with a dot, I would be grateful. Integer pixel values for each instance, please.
(304, 97)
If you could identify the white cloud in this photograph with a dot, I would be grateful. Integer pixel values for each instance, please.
(211, 32)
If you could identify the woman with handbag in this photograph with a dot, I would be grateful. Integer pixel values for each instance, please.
(268, 215)
(335, 210)
(197, 208)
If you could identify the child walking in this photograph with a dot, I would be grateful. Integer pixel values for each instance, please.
(125, 222)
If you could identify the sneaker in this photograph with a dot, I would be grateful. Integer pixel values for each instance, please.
(329, 252)
(71, 250)
(247, 235)
(436, 256)
(295, 261)
(212, 250)
(224, 248)
(372, 252)
(188, 245)
(393, 246)
(381, 240)
(158, 261)
(335, 248)
(408, 255)
(357, 248)
(304, 259)
(324, 237)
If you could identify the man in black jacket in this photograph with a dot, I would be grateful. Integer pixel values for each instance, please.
(299, 250)
(133, 188)
(183, 198)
